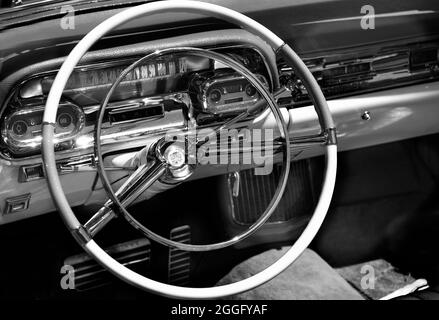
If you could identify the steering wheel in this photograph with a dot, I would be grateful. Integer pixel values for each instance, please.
(166, 163)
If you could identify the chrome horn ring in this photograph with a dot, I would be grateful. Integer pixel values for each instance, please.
(279, 120)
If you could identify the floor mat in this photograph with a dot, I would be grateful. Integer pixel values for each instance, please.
(375, 279)
(309, 278)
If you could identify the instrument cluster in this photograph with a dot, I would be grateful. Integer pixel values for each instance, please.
(21, 129)
(148, 99)
(224, 93)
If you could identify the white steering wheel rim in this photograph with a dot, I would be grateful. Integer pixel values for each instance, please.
(90, 245)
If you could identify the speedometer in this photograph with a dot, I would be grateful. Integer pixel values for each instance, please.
(88, 86)
(84, 92)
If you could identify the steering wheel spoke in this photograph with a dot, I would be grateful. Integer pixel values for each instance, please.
(140, 181)
(320, 139)
(136, 184)
(100, 219)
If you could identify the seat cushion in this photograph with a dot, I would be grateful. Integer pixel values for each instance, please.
(309, 278)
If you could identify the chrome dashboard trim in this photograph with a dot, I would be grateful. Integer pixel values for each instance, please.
(218, 79)
(62, 154)
(20, 146)
(399, 114)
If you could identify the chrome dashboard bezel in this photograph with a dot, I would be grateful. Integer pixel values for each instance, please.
(21, 147)
(65, 154)
(218, 79)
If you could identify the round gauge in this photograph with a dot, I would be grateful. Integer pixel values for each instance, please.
(19, 128)
(65, 120)
(215, 95)
(250, 90)
(23, 127)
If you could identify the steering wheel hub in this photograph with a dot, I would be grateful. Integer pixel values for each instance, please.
(175, 156)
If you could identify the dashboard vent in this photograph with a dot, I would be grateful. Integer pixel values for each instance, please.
(88, 274)
(179, 266)
(365, 70)
(346, 73)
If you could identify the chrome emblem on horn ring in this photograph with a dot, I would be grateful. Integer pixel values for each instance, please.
(175, 156)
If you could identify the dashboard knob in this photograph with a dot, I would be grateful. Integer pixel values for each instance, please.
(215, 95)
(19, 127)
(250, 90)
(366, 116)
(64, 120)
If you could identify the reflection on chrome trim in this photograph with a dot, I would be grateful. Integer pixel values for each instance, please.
(83, 141)
(30, 140)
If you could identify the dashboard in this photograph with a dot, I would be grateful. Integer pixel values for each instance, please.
(378, 92)
(150, 99)
(152, 93)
